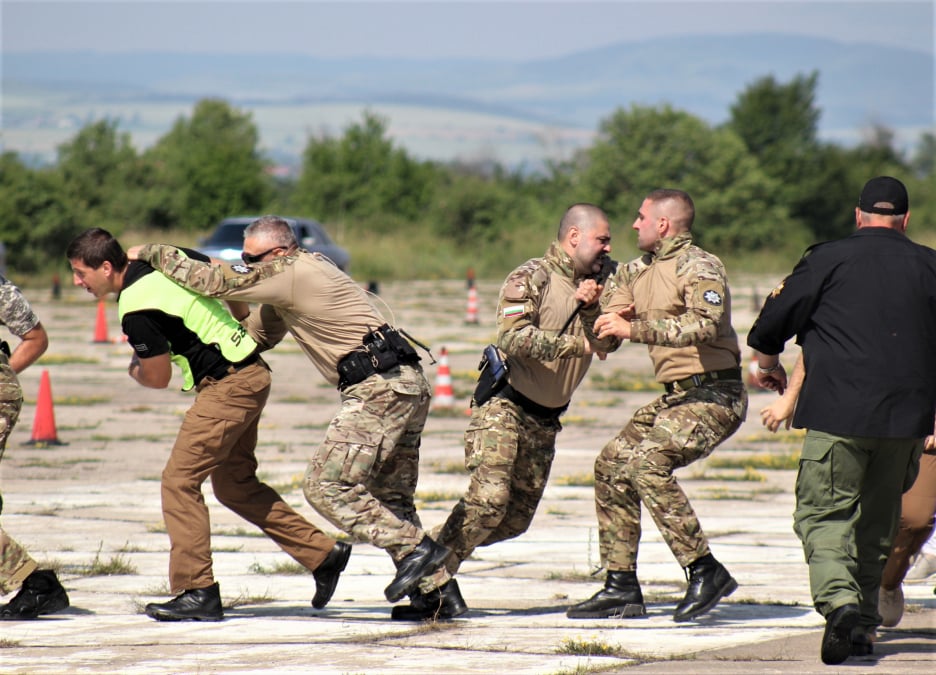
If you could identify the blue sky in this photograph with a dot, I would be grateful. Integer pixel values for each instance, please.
(439, 29)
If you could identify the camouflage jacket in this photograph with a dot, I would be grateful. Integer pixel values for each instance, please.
(19, 318)
(683, 308)
(535, 302)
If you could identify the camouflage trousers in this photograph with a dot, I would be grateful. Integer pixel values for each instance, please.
(508, 453)
(362, 478)
(637, 467)
(15, 562)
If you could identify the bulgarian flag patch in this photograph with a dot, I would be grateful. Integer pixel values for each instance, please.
(513, 310)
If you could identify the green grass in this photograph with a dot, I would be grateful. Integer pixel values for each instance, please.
(622, 380)
(771, 461)
(585, 479)
(590, 648)
(115, 565)
(65, 359)
(437, 496)
(282, 567)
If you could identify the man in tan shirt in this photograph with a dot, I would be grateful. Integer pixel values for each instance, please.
(674, 299)
(362, 478)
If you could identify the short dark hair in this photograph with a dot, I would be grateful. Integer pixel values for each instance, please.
(684, 216)
(582, 215)
(96, 246)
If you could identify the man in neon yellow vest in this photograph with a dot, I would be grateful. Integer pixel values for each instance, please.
(165, 323)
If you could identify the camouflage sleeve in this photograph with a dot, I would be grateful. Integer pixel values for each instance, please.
(616, 295)
(15, 311)
(704, 298)
(233, 281)
(518, 331)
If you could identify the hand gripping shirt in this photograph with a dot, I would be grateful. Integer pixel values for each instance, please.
(534, 303)
(304, 294)
(683, 308)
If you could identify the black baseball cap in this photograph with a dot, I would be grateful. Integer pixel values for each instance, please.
(884, 195)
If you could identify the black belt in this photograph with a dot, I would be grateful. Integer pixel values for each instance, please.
(531, 407)
(364, 367)
(240, 365)
(704, 378)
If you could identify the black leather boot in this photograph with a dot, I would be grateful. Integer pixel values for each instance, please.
(709, 582)
(327, 573)
(837, 638)
(423, 561)
(620, 598)
(442, 604)
(200, 604)
(41, 593)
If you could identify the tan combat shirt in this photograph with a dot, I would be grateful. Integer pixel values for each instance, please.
(683, 308)
(534, 303)
(304, 294)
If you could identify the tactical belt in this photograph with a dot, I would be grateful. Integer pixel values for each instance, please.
(704, 378)
(359, 366)
(240, 365)
(528, 406)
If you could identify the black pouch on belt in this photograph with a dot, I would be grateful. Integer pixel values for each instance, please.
(493, 375)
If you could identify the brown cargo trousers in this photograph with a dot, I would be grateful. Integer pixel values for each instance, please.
(218, 438)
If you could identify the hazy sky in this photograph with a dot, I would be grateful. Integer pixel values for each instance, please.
(433, 29)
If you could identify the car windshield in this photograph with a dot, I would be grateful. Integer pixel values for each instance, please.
(230, 235)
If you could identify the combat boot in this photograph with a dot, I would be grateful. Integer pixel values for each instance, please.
(709, 582)
(41, 593)
(620, 598)
(440, 604)
(421, 562)
(326, 575)
(837, 638)
(200, 604)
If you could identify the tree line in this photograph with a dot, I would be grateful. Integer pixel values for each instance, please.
(763, 183)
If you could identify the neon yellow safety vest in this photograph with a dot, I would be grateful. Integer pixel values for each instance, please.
(206, 317)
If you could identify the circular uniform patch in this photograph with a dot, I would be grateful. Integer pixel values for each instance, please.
(712, 297)
(240, 269)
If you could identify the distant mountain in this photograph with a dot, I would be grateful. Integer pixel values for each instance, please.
(858, 85)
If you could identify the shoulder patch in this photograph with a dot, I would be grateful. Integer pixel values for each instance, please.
(775, 292)
(712, 297)
(240, 269)
(513, 310)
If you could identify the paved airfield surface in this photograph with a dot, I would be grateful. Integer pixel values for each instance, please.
(90, 508)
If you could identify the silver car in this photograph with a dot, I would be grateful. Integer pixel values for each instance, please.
(227, 240)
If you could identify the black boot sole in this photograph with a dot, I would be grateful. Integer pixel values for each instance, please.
(179, 617)
(626, 612)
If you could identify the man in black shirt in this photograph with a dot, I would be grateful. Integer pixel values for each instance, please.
(863, 309)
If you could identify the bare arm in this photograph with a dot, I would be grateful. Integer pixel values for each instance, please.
(781, 410)
(33, 345)
(154, 372)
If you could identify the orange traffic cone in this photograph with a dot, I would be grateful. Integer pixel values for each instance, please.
(471, 316)
(43, 431)
(100, 328)
(444, 396)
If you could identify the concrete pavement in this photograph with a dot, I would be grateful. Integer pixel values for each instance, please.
(91, 510)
